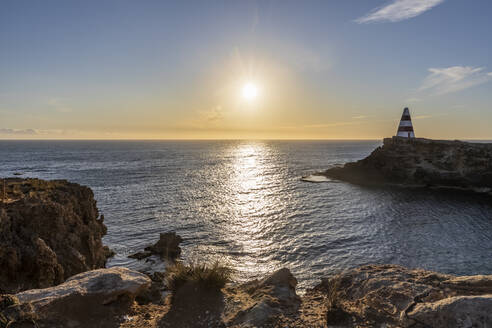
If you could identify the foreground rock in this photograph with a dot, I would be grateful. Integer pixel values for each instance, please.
(167, 247)
(394, 296)
(95, 298)
(259, 303)
(267, 302)
(423, 162)
(369, 296)
(49, 231)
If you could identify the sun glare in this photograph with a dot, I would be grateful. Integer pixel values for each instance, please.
(249, 91)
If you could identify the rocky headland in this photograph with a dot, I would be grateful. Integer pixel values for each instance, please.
(422, 163)
(51, 241)
(49, 231)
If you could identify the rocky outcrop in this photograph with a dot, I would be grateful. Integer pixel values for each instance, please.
(369, 296)
(95, 298)
(269, 301)
(423, 162)
(258, 303)
(393, 296)
(49, 231)
(167, 247)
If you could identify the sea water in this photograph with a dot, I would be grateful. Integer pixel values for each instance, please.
(244, 202)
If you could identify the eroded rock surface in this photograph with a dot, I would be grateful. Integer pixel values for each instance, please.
(91, 299)
(423, 162)
(369, 296)
(394, 296)
(265, 302)
(49, 231)
(259, 303)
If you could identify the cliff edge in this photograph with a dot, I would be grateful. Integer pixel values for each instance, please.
(422, 162)
(49, 231)
(369, 296)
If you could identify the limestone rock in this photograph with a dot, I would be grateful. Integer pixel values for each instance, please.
(90, 299)
(49, 231)
(392, 295)
(167, 247)
(272, 298)
(460, 311)
(423, 162)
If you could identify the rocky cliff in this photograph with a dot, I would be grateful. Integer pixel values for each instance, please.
(423, 162)
(49, 231)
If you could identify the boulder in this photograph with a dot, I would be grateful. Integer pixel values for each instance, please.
(167, 247)
(94, 298)
(49, 231)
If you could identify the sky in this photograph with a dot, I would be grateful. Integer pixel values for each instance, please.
(325, 69)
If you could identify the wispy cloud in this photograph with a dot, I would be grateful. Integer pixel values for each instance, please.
(327, 125)
(413, 100)
(452, 79)
(422, 117)
(398, 10)
(18, 132)
(213, 115)
(12, 133)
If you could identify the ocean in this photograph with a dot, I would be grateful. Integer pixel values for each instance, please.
(243, 202)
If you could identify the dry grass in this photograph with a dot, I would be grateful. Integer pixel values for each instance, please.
(213, 276)
(5, 322)
(332, 293)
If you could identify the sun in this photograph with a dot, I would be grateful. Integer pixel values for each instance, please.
(249, 91)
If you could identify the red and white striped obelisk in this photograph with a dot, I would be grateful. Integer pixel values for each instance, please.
(405, 129)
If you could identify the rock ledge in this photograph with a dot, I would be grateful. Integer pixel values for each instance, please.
(423, 162)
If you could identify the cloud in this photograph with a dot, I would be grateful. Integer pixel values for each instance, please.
(328, 125)
(452, 79)
(422, 117)
(215, 114)
(398, 10)
(360, 117)
(18, 132)
(413, 100)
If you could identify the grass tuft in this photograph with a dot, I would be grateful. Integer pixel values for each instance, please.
(212, 276)
(5, 322)
(332, 293)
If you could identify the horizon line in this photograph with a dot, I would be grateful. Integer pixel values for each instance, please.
(227, 139)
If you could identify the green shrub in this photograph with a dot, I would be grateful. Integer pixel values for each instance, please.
(213, 276)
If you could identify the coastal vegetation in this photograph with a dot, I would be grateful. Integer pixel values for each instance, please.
(209, 275)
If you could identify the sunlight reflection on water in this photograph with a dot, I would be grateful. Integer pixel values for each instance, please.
(243, 202)
(249, 185)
